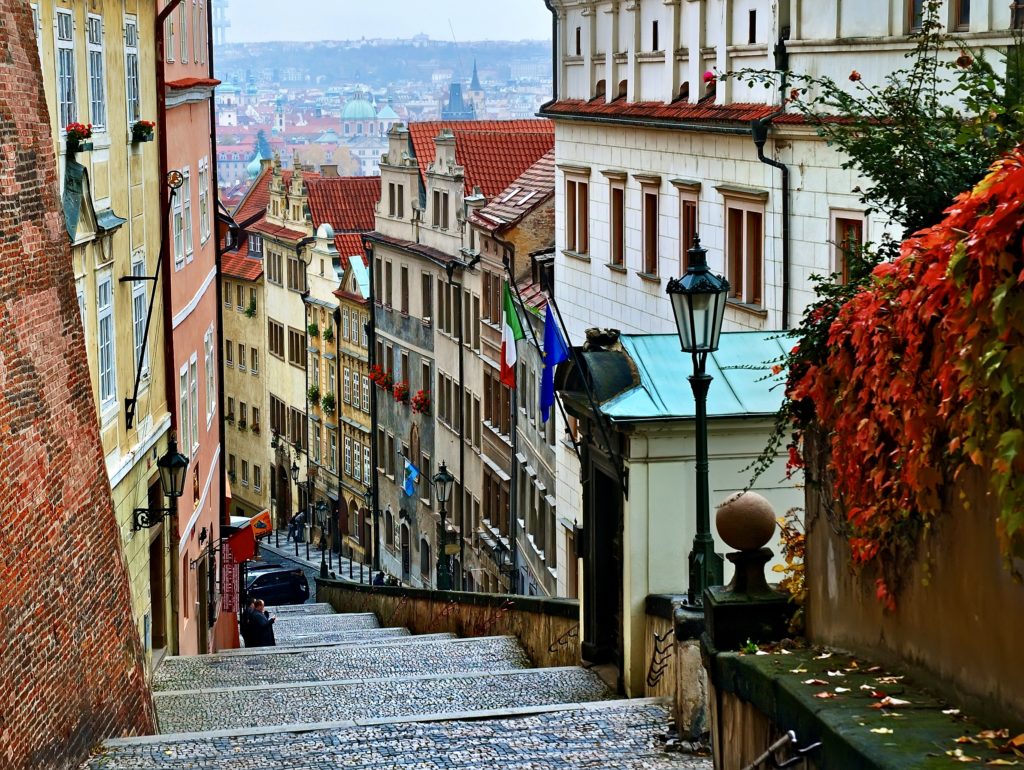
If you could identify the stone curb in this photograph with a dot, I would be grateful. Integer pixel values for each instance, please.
(370, 641)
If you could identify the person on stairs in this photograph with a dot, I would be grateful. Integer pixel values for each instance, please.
(262, 626)
(245, 623)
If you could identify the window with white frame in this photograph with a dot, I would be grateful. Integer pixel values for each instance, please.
(67, 106)
(847, 240)
(344, 324)
(254, 361)
(94, 49)
(139, 314)
(649, 198)
(131, 68)
(257, 478)
(348, 456)
(183, 30)
(193, 394)
(80, 293)
(169, 37)
(332, 450)
(241, 357)
(357, 467)
(744, 249)
(37, 24)
(366, 394)
(105, 338)
(366, 463)
(185, 436)
(317, 440)
(577, 216)
(245, 473)
(346, 392)
(687, 227)
(204, 200)
(355, 389)
(331, 369)
(314, 360)
(186, 212)
(211, 385)
(195, 31)
(365, 319)
(177, 227)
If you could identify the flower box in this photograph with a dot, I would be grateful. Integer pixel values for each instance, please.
(143, 131)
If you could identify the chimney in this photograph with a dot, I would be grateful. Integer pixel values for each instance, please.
(264, 164)
(329, 170)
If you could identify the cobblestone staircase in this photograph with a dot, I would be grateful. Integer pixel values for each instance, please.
(339, 691)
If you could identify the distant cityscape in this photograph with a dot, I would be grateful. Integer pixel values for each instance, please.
(332, 103)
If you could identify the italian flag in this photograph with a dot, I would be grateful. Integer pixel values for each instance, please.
(511, 332)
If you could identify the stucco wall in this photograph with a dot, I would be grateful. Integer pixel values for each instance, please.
(961, 631)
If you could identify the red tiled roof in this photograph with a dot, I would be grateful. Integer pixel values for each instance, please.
(277, 231)
(345, 203)
(235, 264)
(658, 111)
(179, 85)
(529, 190)
(348, 244)
(493, 152)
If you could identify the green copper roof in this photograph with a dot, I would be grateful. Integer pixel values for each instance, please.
(361, 274)
(359, 109)
(741, 368)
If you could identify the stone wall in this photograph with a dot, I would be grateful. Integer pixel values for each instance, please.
(957, 615)
(548, 629)
(71, 662)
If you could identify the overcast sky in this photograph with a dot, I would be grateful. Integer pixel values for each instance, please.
(260, 20)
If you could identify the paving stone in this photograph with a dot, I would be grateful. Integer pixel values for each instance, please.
(202, 710)
(288, 626)
(371, 636)
(301, 609)
(622, 735)
(333, 663)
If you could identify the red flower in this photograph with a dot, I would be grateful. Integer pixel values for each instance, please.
(854, 76)
(963, 60)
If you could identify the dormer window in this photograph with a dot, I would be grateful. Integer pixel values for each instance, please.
(255, 245)
(440, 209)
(396, 200)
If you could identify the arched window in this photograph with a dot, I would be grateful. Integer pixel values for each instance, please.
(600, 89)
(425, 559)
(353, 520)
(623, 89)
(389, 529)
(684, 92)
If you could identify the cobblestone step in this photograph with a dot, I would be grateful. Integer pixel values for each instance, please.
(335, 663)
(289, 704)
(289, 625)
(319, 608)
(598, 736)
(330, 640)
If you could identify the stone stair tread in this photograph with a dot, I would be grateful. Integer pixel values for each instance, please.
(334, 663)
(316, 641)
(269, 705)
(291, 625)
(611, 734)
(316, 608)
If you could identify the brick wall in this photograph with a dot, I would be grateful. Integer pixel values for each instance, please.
(70, 659)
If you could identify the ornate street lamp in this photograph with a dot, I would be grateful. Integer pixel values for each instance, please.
(172, 469)
(443, 481)
(698, 302)
(321, 515)
(374, 544)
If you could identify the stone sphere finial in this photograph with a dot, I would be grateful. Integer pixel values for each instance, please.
(746, 521)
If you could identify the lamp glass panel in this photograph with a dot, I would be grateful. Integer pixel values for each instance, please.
(681, 309)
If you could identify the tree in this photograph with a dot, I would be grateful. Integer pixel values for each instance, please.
(263, 146)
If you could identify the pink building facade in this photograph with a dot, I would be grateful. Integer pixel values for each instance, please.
(190, 263)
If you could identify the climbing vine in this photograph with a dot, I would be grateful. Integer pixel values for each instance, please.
(919, 382)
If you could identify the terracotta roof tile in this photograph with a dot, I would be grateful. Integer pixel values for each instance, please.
(529, 190)
(348, 244)
(658, 111)
(493, 152)
(345, 203)
(237, 264)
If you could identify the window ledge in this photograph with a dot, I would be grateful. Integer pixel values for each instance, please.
(650, 277)
(755, 310)
(576, 255)
(616, 268)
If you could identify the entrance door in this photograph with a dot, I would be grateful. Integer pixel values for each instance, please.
(406, 555)
(204, 608)
(157, 573)
(602, 570)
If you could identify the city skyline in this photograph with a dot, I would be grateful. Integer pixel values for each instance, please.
(458, 19)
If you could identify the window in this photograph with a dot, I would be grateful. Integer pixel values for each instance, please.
(298, 427)
(296, 275)
(617, 223)
(297, 348)
(241, 357)
(389, 460)
(169, 38)
(317, 438)
(915, 14)
(195, 32)
(257, 478)
(388, 283)
(650, 199)
(254, 361)
(275, 337)
(346, 390)
(252, 299)
(274, 268)
(751, 27)
(1017, 15)
(687, 227)
(314, 376)
(229, 353)
(183, 412)
(186, 212)
(365, 322)
(183, 30)
(357, 453)
(577, 202)
(193, 394)
(396, 200)
(848, 237)
(962, 17)
(426, 297)
(278, 416)
(378, 294)
(131, 68)
(654, 36)
(255, 244)
(348, 456)
(332, 450)
(139, 313)
(105, 339)
(366, 464)
(256, 419)
(204, 200)
(94, 47)
(404, 288)
(211, 386)
(227, 295)
(355, 389)
(425, 559)
(177, 228)
(37, 24)
(439, 210)
(366, 394)
(744, 248)
(67, 107)
(239, 297)
(245, 473)
(344, 323)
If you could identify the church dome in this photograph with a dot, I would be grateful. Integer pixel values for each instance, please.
(359, 109)
(253, 169)
(387, 113)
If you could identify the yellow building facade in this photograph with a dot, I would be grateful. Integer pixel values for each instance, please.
(98, 64)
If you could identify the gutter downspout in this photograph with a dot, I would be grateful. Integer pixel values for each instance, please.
(170, 374)
(759, 133)
(554, 56)
(371, 347)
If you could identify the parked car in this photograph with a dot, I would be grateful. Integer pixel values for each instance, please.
(277, 585)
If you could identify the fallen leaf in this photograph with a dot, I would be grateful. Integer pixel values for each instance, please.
(842, 689)
(1017, 742)
(815, 681)
(959, 756)
(888, 701)
(1002, 763)
(866, 687)
(873, 669)
(824, 655)
(798, 671)
(824, 695)
(965, 739)
(836, 673)
(881, 730)
(888, 679)
(991, 735)
(951, 712)
(784, 651)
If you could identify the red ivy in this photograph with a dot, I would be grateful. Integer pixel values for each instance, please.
(920, 381)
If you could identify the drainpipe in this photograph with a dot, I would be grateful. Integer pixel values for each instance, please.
(759, 133)
(371, 347)
(554, 55)
(166, 266)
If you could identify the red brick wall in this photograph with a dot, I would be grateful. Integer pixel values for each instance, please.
(71, 668)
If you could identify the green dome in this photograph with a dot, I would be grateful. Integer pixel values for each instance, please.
(359, 109)
(253, 169)
(387, 113)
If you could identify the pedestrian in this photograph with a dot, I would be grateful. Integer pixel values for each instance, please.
(296, 528)
(245, 624)
(263, 623)
(378, 579)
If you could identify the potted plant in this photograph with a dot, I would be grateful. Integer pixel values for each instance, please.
(328, 334)
(77, 136)
(313, 394)
(328, 403)
(250, 312)
(380, 377)
(142, 131)
(421, 402)
(313, 330)
(401, 392)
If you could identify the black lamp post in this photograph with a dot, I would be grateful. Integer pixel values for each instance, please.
(698, 302)
(321, 510)
(295, 479)
(172, 467)
(373, 544)
(443, 481)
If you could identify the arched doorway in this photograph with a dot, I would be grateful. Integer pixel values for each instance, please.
(284, 496)
(406, 554)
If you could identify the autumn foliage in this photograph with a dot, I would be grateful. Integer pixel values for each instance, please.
(921, 379)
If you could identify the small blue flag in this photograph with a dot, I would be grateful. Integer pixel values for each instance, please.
(555, 352)
(412, 475)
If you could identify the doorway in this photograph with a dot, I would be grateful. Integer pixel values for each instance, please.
(602, 569)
